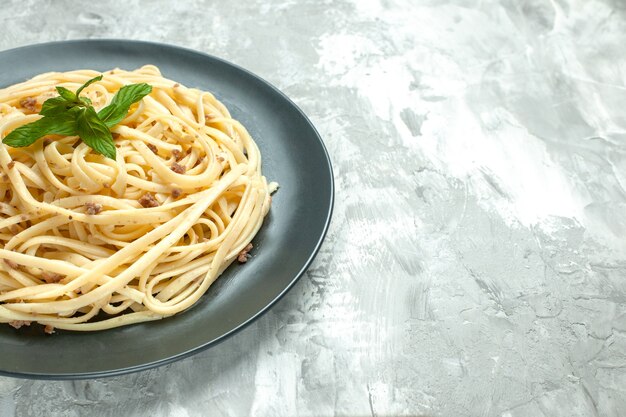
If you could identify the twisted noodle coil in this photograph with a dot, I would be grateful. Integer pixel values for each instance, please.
(139, 238)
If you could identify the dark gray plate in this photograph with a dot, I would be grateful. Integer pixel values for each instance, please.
(294, 156)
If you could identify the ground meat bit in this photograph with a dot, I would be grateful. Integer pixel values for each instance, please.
(153, 148)
(93, 208)
(177, 154)
(15, 229)
(176, 192)
(11, 164)
(243, 255)
(30, 104)
(115, 135)
(176, 85)
(48, 329)
(11, 264)
(179, 169)
(220, 158)
(51, 277)
(70, 218)
(19, 323)
(199, 161)
(148, 200)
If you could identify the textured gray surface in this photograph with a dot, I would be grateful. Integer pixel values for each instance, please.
(476, 262)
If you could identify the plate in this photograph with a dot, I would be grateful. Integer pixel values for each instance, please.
(293, 155)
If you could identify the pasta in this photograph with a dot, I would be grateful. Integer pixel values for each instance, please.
(90, 243)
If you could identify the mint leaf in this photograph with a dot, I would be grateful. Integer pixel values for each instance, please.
(62, 124)
(72, 115)
(82, 87)
(54, 106)
(67, 94)
(94, 132)
(121, 102)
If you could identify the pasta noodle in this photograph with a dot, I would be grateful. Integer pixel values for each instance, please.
(91, 243)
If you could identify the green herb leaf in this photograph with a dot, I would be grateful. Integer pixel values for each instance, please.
(93, 80)
(94, 132)
(54, 106)
(61, 124)
(72, 115)
(121, 102)
(67, 94)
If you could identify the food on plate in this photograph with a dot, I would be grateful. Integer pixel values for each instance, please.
(123, 196)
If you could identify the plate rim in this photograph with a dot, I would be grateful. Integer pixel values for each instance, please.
(197, 349)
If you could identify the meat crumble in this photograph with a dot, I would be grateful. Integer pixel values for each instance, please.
(152, 148)
(199, 161)
(93, 208)
(51, 277)
(30, 104)
(179, 169)
(244, 255)
(15, 229)
(178, 155)
(176, 192)
(148, 200)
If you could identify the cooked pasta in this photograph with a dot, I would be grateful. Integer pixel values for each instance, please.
(90, 243)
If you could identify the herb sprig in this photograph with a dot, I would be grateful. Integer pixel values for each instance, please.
(69, 114)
